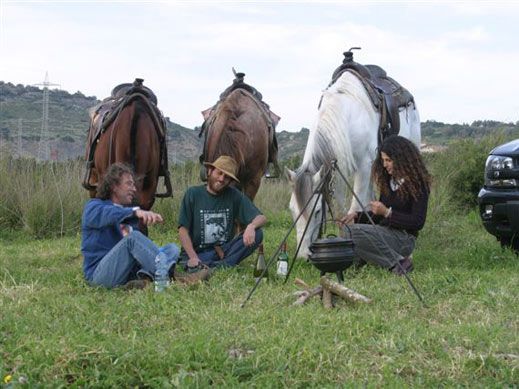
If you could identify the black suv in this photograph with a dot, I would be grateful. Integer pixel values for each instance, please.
(499, 198)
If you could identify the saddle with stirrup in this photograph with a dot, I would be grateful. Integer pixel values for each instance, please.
(107, 111)
(387, 96)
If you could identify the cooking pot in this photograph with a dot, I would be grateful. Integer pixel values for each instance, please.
(331, 254)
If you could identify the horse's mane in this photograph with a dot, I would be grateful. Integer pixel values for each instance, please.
(329, 138)
(222, 134)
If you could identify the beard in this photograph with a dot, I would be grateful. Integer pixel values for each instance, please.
(214, 185)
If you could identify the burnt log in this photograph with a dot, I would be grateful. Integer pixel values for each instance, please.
(307, 294)
(300, 282)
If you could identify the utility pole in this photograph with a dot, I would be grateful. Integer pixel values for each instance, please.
(20, 129)
(43, 146)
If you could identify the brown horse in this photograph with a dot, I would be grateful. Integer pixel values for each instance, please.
(240, 126)
(128, 127)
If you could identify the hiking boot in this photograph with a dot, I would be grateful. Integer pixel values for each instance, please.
(137, 284)
(192, 278)
(406, 266)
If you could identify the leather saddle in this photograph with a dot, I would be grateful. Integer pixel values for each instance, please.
(386, 95)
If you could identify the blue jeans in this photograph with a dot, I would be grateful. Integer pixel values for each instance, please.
(235, 251)
(131, 257)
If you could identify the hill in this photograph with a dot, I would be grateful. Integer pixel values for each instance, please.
(20, 123)
(21, 127)
(434, 132)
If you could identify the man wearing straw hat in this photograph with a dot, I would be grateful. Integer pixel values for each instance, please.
(207, 219)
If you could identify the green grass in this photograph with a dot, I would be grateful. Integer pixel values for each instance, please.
(57, 331)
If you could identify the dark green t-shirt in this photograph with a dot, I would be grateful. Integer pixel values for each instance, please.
(210, 218)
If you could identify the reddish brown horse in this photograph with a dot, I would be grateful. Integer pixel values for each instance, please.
(242, 126)
(239, 128)
(128, 127)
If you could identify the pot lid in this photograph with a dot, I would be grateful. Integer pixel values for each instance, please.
(332, 241)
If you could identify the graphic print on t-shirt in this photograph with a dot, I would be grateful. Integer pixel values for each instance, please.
(215, 226)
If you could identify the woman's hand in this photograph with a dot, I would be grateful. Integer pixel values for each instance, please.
(379, 208)
(349, 218)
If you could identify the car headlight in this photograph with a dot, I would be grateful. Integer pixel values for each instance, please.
(496, 162)
(494, 165)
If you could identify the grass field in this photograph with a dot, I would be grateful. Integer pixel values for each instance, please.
(57, 331)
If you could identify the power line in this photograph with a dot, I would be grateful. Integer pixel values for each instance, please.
(20, 130)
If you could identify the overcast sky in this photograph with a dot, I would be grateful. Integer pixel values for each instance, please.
(459, 59)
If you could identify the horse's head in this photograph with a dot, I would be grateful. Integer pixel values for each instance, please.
(304, 184)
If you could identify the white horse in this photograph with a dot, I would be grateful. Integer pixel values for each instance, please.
(346, 130)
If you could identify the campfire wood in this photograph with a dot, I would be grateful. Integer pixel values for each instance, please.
(327, 290)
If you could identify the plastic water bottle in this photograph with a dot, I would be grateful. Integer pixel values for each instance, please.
(161, 271)
(282, 268)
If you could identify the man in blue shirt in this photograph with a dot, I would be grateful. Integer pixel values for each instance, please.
(114, 251)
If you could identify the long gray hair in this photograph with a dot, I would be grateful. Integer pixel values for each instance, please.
(112, 178)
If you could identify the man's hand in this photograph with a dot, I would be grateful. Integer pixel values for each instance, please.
(125, 229)
(193, 262)
(148, 217)
(249, 235)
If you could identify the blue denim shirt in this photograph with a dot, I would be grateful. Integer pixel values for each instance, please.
(100, 231)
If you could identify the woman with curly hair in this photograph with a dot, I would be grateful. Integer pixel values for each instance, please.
(404, 185)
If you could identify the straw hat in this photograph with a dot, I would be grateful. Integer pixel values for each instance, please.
(227, 165)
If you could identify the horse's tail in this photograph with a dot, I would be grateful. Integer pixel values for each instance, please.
(139, 110)
(222, 136)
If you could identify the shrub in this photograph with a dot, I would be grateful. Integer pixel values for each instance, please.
(458, 172)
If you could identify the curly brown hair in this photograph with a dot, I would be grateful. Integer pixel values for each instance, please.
(407, 165)
(111, 178)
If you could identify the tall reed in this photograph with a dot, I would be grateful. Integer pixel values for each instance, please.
(42, 198)
(46, 199)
